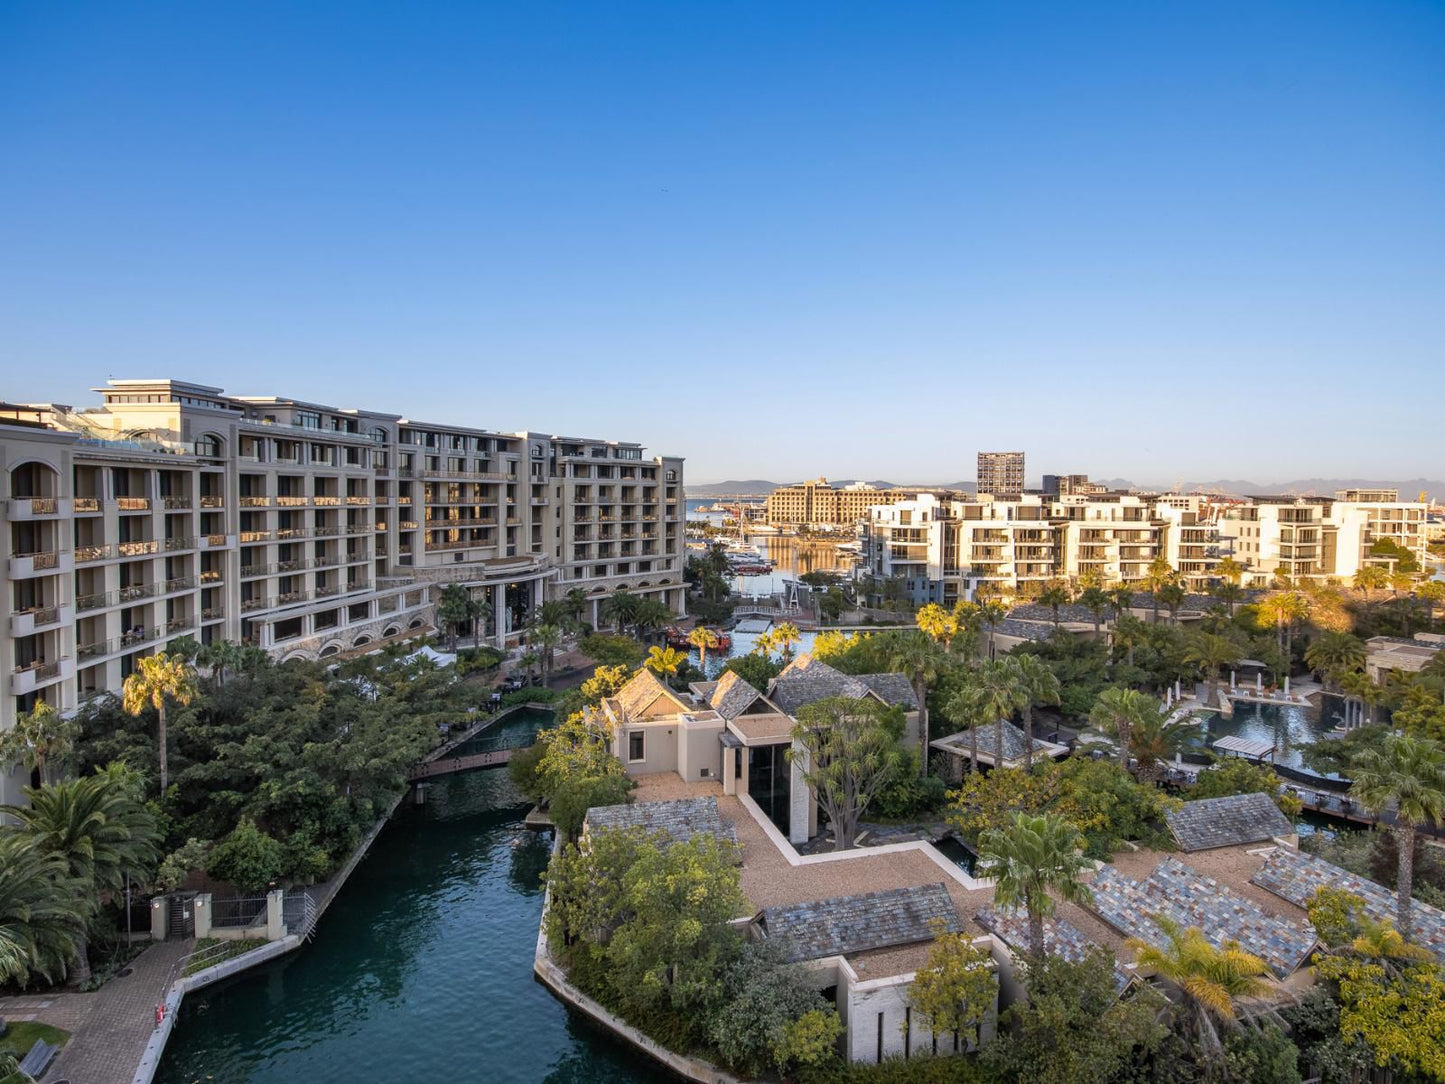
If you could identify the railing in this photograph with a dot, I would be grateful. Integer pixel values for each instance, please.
(86, 504)
(285, 598)
(42, 670)
(213, 502)
(328, 591)
(215, 540)
(95, 650)
(37, 506)
(251, 571)
(138, 549)
(250, 604)
(237, 912)
(133, 504)
(137, 591)
(255, 536)
(94, 602)
(299, 913)
(41, 561)
(184, 542)
(213, 613)
(176, 624)
(140, 635)
(180, 583)
(291, 502)
(255, 502)
(86, 554)
(176, 504)
(41, 615)
(326, 502)
(352, 499)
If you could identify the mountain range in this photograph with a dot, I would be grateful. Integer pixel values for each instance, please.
(1305, 487)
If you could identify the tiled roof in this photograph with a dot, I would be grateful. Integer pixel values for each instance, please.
(1189, 898)
(892, 689)
(1227, 822)
(1037, 611)
(1013, 741)
(806, 680)
(641, 691)
(1025, 630)
(873, 920)
(1294, 876)
(759, 728)
(1061, 938)
(681, 818)
(732, 695)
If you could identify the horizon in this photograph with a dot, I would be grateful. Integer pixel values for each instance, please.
(1204, 239)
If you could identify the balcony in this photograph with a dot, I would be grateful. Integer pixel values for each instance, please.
(251, 572)
(31, 676)
(22, 508)
(357, 500)
(85, 555)
(326, 502)
(255, 536)
(250, 605)
(179, 624)
(213, 502)
(133, 504)
(39, 619)
(86, 504)
(138, 549)
(176, 504)
(184, 542)
(255, 502)
(98, 601)
(292, 502)
(45, 563)
(213, 613)
(136, 592)
(215, 541)
(210, 577)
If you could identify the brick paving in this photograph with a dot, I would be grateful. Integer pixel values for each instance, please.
(119, 1020)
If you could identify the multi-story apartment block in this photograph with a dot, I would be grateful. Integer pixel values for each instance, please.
(1068, 485)
(818, 504)
(175, 510)
(1321, 537)
(1000, 473)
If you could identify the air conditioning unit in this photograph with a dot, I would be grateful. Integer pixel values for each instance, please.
(705, 773)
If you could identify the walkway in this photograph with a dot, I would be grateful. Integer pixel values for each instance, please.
(117, 1020)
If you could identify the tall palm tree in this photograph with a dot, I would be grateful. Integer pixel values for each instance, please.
(1359, 688)
(220, 656)
(1210, 980)
(967, 623)
(649, 616)
(157, 679)
(1172, 595)
(1153, 740)
(1027, 860)
(1229, 593)
(1283, 610)
(1116, 712)
(995, 692)
(705, 640)
(1121, 598)
(1335, 654)
(618, 608)
(40, 739)
(785, 635)
(545, 639)
(1211, 651)
(1230, 571)
(1431, 593)
(100, 828)
(992, 613)
(1129, 631)
(1159, 574)
(1039, 685)
(1370, 578)
(1406, 776)
(454, 607)
(479, 611)
(40, 912)
(937, 622)
(919, 656)
(575, 602)
(1096, 601)
(1055, 595)
(664, 661)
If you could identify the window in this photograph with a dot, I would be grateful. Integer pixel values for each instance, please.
(635, 748)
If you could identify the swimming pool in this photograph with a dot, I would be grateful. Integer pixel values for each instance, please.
(1289, 727)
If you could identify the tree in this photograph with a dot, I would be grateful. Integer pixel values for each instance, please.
(1407, 777)
(1172, 595)
(157, 679)
(579, 747)
(1116, 712)
(1158, 575)
(1236, 775)
(1370, 578)
(454, 607)
(1039, 686)
(784, 636)
(955, 989)
(1359, 688)
(479, 610)
(664, 661)
(992, 614)
(756, 670)
(1335, 654)
(990, 696)
(1283, 610)
(705, 640)
(1432, 594)
(1229, 571)
(918, 656)
(1096, 601)
(934, 621)
(571, 801)
(98, 826)
(649, 616)
(1209, 980)
(575, 603)
(764, 1000)
(220, 656)
(851, 750)
(1153, 740)
(1033, 856)
(619, 609)
(545, 639)
(1055, 596)
(41, 913)
(247, 858)
(40, 739)
(1212, 651)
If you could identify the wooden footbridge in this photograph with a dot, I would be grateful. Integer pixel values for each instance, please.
(490, 758)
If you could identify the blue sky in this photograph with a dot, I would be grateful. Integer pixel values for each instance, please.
(1162, 241)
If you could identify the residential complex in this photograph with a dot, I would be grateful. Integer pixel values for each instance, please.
(1000, 473)
(176, 510)
(943, 548)
(818, 504)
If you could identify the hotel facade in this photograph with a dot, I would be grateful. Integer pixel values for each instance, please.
(175, 510)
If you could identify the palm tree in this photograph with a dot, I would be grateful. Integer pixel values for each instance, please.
(1159, 574)
(157, 679)
(1096, 601)
(1228, 592)
(664, 661)
(545, 638)
(1153, 740)
(40, 912)
(917, 655)
(937, 622)
(1027, 860)
(1211, 651)
(220, 656)
(1209, 980)
(619, 608)
(995, 693)
(39, 738)
(454, 607)
(1230, 571)
(705, 640)
(1407, 776)
(1370, 578)
(1335, 654)
(1283, 610)
(784, 637)
(101, 830)
(649, 615)
(1116, 712)
(575, 603)
(1432, 593)
(1172, 595)
(1121, 598)
(967, 623)
(992, 613)
(1056, 594)
(479, 611)
(1359, 688)
(1130, 631)
(1040, 685)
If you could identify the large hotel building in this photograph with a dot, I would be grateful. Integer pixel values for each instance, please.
(176, 510)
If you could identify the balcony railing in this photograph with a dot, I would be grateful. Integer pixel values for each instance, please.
(255, 536)
(97, 601)
(40, 615)
(86, 504)
(249, 572)
(255, 502)
(138, 549)
(213, 502)
(249, 605)
(36, 506)
(215, 540)
(292, 502)
(40, 669)
(86, 554)
(181, 543)
(41, 561)
(326, 502)
(176, 504)
(136, 591)
(176, 624)
(210, 576)
(357, 500)
(213, 613)
(133, 504)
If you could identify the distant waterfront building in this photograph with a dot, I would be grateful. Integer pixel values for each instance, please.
(1000, 473)
(818, 504)
(176, 510)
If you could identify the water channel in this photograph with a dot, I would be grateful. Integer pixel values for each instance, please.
(421, 970)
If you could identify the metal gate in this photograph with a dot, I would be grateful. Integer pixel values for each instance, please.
(180, 916)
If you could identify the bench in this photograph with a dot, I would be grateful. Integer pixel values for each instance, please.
(34, 1064)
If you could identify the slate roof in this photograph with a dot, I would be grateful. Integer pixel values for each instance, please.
(1013, 741)
(806, 680)
(1037, 611)
(1294, 876)
(1227, 822)
(1061, 938)
(640, 692)
(892, 688)
(873, 920)
(1189, 898)
(1025, 630)
(732, 696)
(681, 818)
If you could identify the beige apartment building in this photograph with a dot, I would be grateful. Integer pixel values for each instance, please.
(818, 504)
(174, 510)
(1000, 473)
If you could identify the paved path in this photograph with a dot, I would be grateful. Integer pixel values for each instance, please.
(119, 1019)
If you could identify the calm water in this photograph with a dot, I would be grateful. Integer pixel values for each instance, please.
(421, 970)
(1289, 727)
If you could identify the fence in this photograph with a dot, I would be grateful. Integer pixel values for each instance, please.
(237, 912)
(299, 912)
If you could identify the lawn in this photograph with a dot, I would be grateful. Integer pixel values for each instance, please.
(218, 951)
(22, 1035)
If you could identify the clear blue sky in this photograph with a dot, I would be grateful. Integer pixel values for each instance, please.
(1162, 241)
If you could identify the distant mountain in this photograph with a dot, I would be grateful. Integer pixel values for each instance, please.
(758, 487)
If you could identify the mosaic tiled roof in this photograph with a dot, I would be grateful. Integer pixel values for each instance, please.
(732, 696)
(1061, 938)
(1227, 822)
(1294, 876)
(873, 920)
(1189, 898)
(641, 691)
(1013, 741)
(681, 818)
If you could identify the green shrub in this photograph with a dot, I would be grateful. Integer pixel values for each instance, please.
(247, 858)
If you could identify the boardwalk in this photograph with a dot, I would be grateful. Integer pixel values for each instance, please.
(492, 758)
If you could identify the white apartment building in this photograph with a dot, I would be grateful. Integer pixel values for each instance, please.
(176, 510)
(1321, 537)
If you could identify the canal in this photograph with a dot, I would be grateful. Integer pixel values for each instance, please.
(421, 969)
